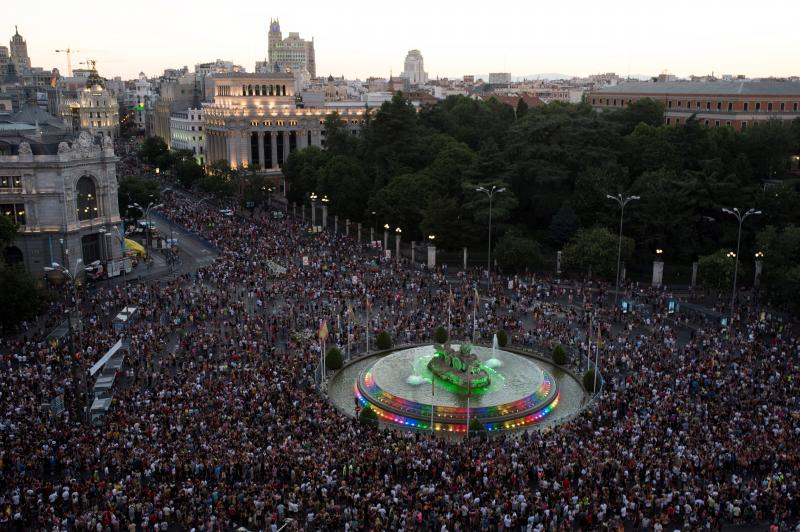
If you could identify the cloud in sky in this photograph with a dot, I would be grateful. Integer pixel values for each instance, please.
(456, 38)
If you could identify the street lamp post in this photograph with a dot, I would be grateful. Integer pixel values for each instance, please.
(397, 232)
(490, 194)
(622, 201)
(325, 202)
(385, 238)
(741, 217)
(431, 251)
(72, 276)
(146, 212)
(313, 197)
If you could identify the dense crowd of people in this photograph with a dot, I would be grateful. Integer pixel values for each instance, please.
(217, 422)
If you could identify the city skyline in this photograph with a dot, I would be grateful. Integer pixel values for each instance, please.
(627, 40)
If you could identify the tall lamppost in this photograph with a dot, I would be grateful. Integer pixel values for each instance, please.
(622, 201)
(146, 212)
(72, 275)
(325, 202)
(431, 251)
(741, 217)
(490, 193)
(313, 197)
(385, 237)
(397, 232)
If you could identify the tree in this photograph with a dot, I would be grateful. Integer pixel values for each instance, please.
(595, 248)
(564, 224)
(780, 277)
(333, 359)
(134, 189)
(401, 202)
(384, 341)
(644, 111)
(347, 186)
(522, 109)
(559, 355)
(440, 335)
(517, 254)
(368, 417)
(152, 149)
(188, 171)
(502, 338)
(476, 428)
(589, 381)
(715, 271)
(23, 299)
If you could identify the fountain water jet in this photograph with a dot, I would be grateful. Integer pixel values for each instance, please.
(494, 362)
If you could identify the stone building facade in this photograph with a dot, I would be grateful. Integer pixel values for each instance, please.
(256, 120)
(62, 191)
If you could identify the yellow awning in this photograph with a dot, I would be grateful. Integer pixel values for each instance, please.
(135, 246)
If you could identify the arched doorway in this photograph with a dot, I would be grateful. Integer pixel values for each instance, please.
(13, 255)
(87, 199)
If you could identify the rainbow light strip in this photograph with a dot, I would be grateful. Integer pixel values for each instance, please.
(513, 424)
(391, 408)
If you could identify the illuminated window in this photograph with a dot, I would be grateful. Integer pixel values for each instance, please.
(10, 181)
(15, 211)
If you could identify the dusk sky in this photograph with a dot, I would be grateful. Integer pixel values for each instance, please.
(363, 39)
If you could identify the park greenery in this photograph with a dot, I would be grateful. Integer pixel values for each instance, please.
(333, 359)
(23, 298)
(418, 169)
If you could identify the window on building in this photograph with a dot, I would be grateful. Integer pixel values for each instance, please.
(244, 90)
(783, 106)
(716, 123)
(730, 106)
(15, 211)
(258, 90)
(708, 106)
(87, 199)
(706, 122)
(12, 181)
(744, 125)
(668, 120)
(769, 106)
(679, 104)
(746, 105)
(263, 90)
(719, 106)
(758, 106)
(794, 107)
(669, 104)
(728, 123)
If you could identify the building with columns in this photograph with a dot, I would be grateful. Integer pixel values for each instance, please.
(258, 120)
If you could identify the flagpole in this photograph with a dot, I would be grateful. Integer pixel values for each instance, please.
(475, 315)
(596, 357)
(367, 322)
(433, 392)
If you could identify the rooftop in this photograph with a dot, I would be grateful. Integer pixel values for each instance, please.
(744, 88)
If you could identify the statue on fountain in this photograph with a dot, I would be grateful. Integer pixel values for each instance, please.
(461, 368)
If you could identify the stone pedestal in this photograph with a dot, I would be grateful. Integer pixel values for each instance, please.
(658, 272)
(757, 280)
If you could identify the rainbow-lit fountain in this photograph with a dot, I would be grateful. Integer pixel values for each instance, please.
(449, 385)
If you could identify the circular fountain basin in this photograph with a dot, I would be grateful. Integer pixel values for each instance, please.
(402, 390)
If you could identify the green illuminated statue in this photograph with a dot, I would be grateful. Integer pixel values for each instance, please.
(461, 368)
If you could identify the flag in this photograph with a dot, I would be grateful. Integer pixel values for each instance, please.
(323, 330)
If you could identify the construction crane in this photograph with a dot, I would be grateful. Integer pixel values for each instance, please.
(69, 52)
